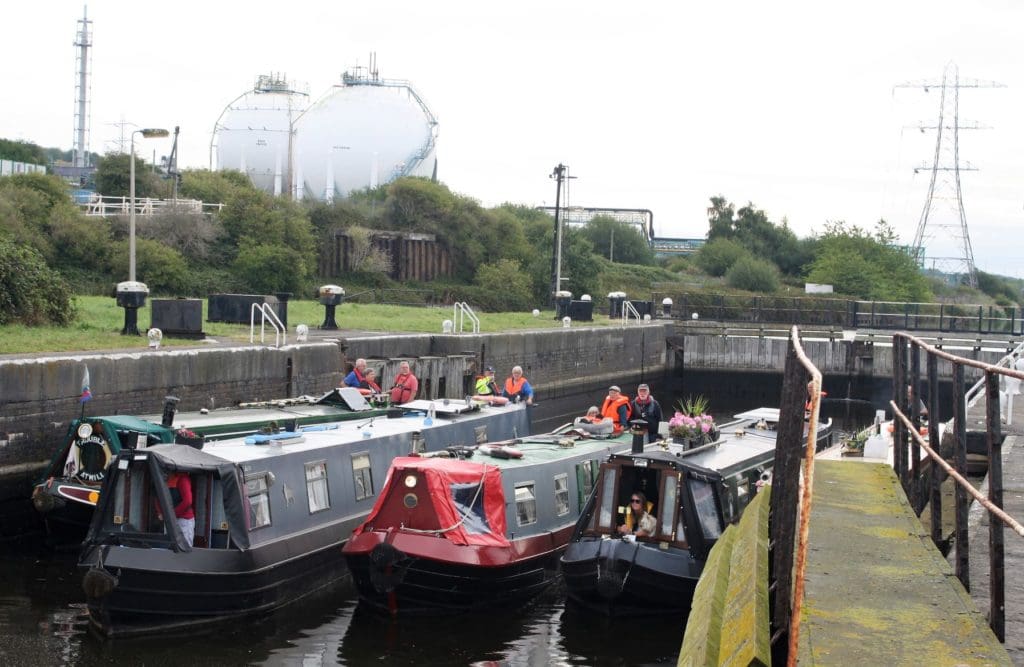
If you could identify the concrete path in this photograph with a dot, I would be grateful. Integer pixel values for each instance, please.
(877, 591)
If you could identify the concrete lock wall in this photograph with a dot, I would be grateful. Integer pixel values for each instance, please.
(39, 397)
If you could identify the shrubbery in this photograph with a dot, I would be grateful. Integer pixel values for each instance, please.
(754, 275)
(31, 292)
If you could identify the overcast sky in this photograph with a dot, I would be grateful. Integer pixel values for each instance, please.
(789, 105)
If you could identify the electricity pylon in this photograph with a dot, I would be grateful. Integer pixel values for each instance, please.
(944, 185)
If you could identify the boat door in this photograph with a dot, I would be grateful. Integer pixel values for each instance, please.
(659, 482)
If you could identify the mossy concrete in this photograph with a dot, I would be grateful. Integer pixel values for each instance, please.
(877, 590)
(729, 620)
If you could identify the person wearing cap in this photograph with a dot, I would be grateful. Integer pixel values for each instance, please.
(406, 385)
(485, 384)
(645, 407)
(616, 407)
(517, 388)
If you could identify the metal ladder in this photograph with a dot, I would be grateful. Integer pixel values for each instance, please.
(266, 313)
(460, 313)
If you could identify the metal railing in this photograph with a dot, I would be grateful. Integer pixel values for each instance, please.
(267, 313)
(975, 392)
(791, 497)
(101, 206)
(629, 311)
(462, 312)
(923, 486)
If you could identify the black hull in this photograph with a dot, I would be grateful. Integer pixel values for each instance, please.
(160, 590)
(420, 586)
(66, 526)
(619, 578)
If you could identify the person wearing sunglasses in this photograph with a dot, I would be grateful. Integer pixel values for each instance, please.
(639, 521)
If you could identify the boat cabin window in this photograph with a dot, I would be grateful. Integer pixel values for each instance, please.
(316, 486)
(134, 509)
(669, 507)
(704, 506)
(526, 504)
(362, 475)
(257, 489)
(469, 501)
(586, 473)
(562, 494)
(606, 513)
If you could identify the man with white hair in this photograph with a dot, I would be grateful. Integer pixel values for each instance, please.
(406, 385)
(355, 378)
(517, 388)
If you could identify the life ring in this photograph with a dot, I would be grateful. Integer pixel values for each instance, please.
(86, 468)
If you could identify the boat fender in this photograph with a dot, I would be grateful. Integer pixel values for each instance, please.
(98, 583)
(387, 567)
(501, 451)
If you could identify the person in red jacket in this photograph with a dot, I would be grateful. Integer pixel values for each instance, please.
(406, 385)
(616, 407)
(180, 485)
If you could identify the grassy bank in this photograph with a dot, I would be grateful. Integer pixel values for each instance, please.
(99, 322)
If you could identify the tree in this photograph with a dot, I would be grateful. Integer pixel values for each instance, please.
(363, 256)
(113, 177)
(751, 228)
(505, 285)
(716, 257)
(753, 274)
(22, 151)
(618, 241)
(867, 266)
(211, 187)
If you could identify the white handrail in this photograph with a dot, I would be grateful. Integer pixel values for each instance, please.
(972, 395)
(461, 312)
(629, 309)
(266, 313)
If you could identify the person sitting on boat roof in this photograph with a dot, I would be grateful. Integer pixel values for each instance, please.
(369, 386)
(616, 407)
(639, 520)
(355, 376)
(487, 389)
(594, 423)
(645, 407)
(406, 385)
(517, 388)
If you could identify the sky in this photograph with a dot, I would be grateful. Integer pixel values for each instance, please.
(791, 106)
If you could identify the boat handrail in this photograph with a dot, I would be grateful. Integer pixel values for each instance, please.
(972, 395)
(628, 311)
(266, 313)
(461, 312)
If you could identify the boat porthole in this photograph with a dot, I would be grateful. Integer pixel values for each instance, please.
(411, 500)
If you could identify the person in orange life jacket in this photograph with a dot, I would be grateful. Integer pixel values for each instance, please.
(369, 384)
(355, 377)
(594, 423)
(406, 385)
(645, 407)
(616, 407)
(517, 388)
(639, 521)
(180, 486)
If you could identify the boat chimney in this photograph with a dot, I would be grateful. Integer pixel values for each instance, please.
(638, 429)
(170, 408)
(417, 443)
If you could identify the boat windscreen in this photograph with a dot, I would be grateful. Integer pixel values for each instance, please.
(704, 504)
(469, 501)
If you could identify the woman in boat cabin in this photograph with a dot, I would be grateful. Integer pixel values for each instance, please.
(639, 520)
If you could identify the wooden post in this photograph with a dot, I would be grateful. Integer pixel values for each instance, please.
(996, 574)
(963, 570)
(785, 486)
(917, 496)
(937, 475)
(899, 392)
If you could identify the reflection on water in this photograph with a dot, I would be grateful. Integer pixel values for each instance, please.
(43, 621)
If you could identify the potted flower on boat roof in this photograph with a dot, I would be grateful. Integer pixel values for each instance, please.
(691, 425)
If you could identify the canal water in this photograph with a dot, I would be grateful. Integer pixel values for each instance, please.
(43, 618)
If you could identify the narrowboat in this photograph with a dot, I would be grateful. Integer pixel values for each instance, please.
(271, 515)
(482, 529)
(691, 494)
(66, 494)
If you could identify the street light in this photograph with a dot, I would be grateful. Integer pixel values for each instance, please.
(148, 133)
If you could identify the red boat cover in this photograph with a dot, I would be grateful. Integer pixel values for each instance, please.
(436, 509)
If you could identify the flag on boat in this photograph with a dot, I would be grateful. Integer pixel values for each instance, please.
(86, 394)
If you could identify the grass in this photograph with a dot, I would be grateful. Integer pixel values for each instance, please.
(99, 323)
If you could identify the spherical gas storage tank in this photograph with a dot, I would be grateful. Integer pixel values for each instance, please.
(251, 134)
(361, 134)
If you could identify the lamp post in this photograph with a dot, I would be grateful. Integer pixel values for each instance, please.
(148, 133)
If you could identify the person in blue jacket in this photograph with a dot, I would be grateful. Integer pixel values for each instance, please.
(517, 388)
(356, 376)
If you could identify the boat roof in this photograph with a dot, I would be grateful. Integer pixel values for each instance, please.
(323, 436)
(541, 449)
